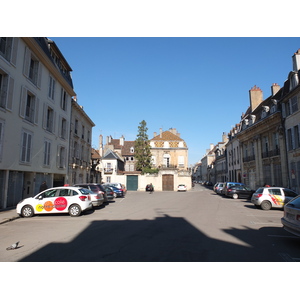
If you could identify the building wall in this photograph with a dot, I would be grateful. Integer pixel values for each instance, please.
(25, 127)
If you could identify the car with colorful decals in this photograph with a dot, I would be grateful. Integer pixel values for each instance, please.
(268, 197)
(67, 199)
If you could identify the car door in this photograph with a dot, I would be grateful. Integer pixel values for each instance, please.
(277, 197)
(45, 202)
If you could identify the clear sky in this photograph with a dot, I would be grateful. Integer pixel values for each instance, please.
(198, 85)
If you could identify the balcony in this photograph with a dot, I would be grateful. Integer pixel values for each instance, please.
(108, 170)
(249, 158)
(271, 153)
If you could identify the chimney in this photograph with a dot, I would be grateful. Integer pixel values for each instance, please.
(296, 61)
(256, 97)
(160, 132)
(122, 140)
(101, 145)
(274, 88)
(224, 137)
(154, 134)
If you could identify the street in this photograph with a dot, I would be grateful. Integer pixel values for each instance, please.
(193, 226)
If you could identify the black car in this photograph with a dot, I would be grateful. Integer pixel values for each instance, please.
(109, 192)
(117, 192)
(228, 185)
(149, 188)
(239, 191)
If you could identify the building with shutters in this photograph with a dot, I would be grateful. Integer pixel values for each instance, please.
(35, 108)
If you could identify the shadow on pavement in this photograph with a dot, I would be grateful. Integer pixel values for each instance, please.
(164, 239)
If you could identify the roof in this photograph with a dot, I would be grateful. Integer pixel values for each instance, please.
(167, 136)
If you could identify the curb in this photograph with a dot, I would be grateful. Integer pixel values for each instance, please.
(9, 220)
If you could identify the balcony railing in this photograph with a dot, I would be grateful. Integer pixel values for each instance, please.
(108, 170)
(249, 158)
(270, 153)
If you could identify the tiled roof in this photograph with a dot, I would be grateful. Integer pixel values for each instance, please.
(95, 154)
(126, 147)
(167, 136)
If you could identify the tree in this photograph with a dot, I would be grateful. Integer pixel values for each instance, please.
(142, 152)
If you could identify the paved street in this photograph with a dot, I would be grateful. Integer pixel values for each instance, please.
(196, 226)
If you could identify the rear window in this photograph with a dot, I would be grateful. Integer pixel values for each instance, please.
(259, 191)
(289, 193)
(94, 188)
(295, 202)
(84, 191)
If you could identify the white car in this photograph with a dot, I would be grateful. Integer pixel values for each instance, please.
(72, 200)
(268, 197)
(181, 188)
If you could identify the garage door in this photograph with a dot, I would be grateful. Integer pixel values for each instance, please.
(168, 182)
(132, 182)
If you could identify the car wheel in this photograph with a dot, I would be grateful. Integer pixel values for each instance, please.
(27, 211)
(266, 205)
(235, 196)
(74, 210)
(115, 195)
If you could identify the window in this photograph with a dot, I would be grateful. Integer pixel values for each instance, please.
(26, 147)
(131, 149)
(290, 139)
(32, 68)
(49, 119)
(82, 132)
(63, 99)
(6, 47)
(294, 104)
(47, 152)
(181, 161)
(51, 87)
(76, 127)
(2, 123)
(29, 106)
(6, 90)
(61, 153)
(63, 128)
(297, 136)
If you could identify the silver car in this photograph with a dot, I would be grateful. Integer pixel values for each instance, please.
(291, 218)
(268, 197)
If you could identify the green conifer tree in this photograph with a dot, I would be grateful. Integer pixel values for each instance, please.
(142, 151)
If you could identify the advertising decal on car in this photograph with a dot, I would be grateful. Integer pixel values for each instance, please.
(59, 204)
(277, 199)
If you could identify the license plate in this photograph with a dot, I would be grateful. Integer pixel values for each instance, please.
(290, 216)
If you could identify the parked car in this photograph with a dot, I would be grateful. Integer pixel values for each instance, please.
(229, 184)
(117, 192)
(95, 188)
(268, 197)
(109, 192)
(72, 200)
(119, 186)
(181, 188)
(291, 217)
(149, 188)
(219, 187)
(239, 191)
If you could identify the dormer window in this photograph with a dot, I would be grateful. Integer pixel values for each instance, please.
(131, 149)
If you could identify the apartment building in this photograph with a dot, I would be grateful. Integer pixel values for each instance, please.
(35, 105)
(80, 157)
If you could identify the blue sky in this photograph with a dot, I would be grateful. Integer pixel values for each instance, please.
(199, 85)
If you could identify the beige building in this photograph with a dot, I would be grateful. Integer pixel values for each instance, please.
(262, 143)
(35, 105)
(170, 155)
(80, 145)
(290, 103)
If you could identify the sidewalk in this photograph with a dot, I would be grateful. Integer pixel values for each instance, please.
(8, 215)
